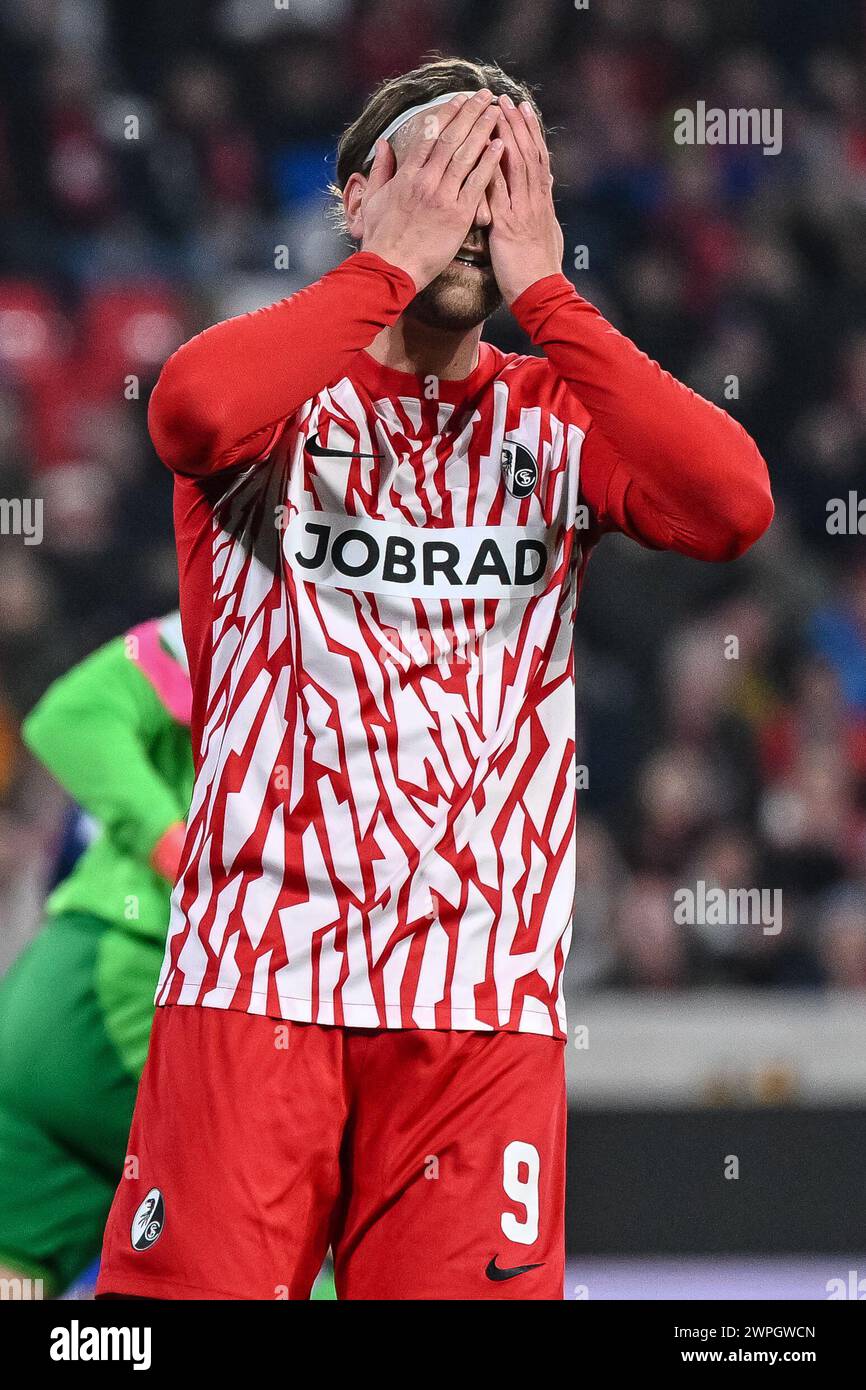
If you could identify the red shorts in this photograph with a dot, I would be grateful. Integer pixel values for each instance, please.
(432, 1163)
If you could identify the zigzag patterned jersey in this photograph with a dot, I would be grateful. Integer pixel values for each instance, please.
(379, 583)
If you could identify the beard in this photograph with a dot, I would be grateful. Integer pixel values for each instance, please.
(458, 299)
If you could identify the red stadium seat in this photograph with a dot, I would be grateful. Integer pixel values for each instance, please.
(34, 336)
(127, 330)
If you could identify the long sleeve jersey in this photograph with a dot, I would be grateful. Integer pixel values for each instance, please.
(114, 731)
(379, 579)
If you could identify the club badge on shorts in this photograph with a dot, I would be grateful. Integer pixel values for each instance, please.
(519, 469)
(148, 1222)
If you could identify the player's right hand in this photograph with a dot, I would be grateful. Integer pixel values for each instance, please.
(416, 215)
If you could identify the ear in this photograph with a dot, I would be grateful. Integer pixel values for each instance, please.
(359, 188)
(353, 202)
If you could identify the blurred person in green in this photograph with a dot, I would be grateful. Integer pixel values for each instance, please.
(76, 1007)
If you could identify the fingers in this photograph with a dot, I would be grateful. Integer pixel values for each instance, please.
(481, 175)
(497, 191)
(522, 134)
(462, 128)
(498, 198)
(534, 126)
(467, 155)
(527, 161)
(382, 168)
(513, 164)
(432, 125)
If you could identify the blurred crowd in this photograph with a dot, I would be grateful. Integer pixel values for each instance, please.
(163, 165)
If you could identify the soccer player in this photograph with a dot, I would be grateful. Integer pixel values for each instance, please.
(382, 525)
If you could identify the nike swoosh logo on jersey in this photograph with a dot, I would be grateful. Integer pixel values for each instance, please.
(494, 1272)
(321, 451)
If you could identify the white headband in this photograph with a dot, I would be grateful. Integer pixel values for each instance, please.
(405, 116)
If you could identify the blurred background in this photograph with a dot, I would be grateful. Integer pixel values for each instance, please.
(163, 165)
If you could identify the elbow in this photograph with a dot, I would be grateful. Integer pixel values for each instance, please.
(183, 418)
(755, 512)
(29, 737)
(38, 731)
(746, 522)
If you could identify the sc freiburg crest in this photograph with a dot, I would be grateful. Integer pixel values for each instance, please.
(148, 1221)
(519, 469)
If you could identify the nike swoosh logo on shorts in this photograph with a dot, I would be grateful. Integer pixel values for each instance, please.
(494, 1272)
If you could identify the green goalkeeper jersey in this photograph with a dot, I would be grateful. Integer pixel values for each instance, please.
(114, 731)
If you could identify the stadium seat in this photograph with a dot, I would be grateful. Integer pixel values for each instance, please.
(127, 330)
(34, 335)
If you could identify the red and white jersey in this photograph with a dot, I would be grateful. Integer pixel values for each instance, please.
(382, 827)
(378, 589)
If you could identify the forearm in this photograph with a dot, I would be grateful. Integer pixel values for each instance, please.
(220, 397)
(104, 769)
(683, 473)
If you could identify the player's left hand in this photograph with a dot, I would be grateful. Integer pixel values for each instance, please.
(525, 236)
